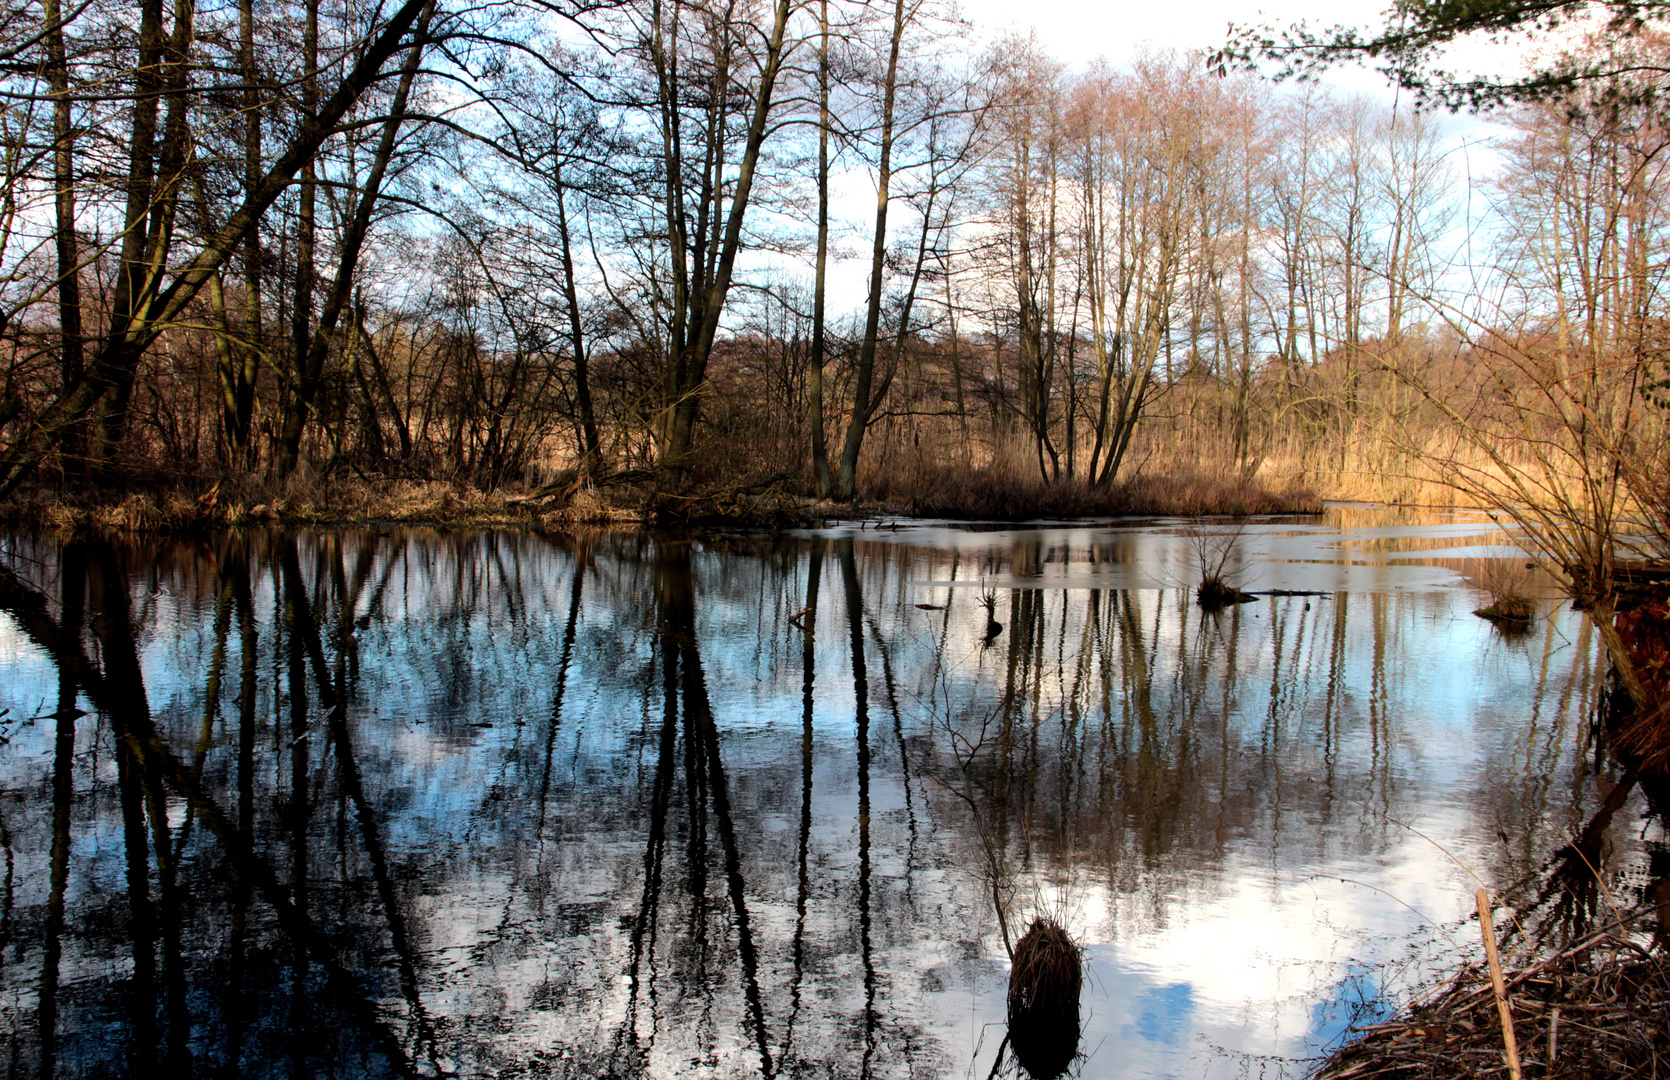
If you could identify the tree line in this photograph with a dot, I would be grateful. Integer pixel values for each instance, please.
(810, 241)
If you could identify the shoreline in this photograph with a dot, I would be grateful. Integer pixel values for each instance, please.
(1591, 1009)
(445, 504)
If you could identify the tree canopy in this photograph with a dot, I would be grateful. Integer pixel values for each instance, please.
(1411, 47)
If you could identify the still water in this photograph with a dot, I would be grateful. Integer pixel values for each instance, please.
(401, 801)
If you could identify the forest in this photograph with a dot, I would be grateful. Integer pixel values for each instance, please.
(824, 249)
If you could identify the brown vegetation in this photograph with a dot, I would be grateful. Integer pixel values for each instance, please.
(1008, 493)
(1134, 291)
(1512, 611)
(428, 502)
(1590, 1011)
(1508, 584)
(982, 495)
(1214, 594)
(1641, 732)
(1047, 972)
(1044, 982)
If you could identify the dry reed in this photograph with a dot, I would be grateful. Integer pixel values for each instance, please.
(1006, 493)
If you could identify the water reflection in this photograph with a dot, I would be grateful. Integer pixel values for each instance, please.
(404, 802)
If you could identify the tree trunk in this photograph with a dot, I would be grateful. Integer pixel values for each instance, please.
(590, 450)
(132, 281)
(863, 402)
(302, 381)
(71, 363)
(820, 449)
(137, 328)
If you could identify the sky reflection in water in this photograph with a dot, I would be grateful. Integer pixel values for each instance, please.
(384, 801)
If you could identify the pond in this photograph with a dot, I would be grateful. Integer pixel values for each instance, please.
(389, 800)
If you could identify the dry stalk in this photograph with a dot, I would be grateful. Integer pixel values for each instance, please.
(1487, 927)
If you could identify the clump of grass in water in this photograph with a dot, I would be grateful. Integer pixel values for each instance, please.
(1508, 584)
(1215, 593)
(1213, 551)
(988, 600)
(1045, 977)
(1507, 609)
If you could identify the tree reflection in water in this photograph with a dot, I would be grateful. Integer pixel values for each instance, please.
(403, 802)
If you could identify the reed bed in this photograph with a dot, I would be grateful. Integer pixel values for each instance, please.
(1004, 493)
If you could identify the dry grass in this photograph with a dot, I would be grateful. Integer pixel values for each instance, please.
(1044, 982)
(302, 502)
(1594, 1010)
(1507, 609)
(1215, 594)
(986, 493)
(1005, 493)
(166, 511)
(1048, 971)
(1509, 584)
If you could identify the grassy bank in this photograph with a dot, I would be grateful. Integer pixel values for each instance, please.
(179, 509)
(631, 499)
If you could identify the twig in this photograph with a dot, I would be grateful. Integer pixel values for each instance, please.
(1488, 928)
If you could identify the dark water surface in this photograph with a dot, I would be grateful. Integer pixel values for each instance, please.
(400, 801)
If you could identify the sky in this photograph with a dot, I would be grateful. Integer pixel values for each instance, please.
(1079, 31)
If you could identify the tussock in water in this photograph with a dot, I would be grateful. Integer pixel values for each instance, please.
(1510, 611)
(1044, 984)
(1214, 594)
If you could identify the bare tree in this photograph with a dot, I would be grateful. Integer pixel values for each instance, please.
(1550, 427)
(154, 283)
(714, 79)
